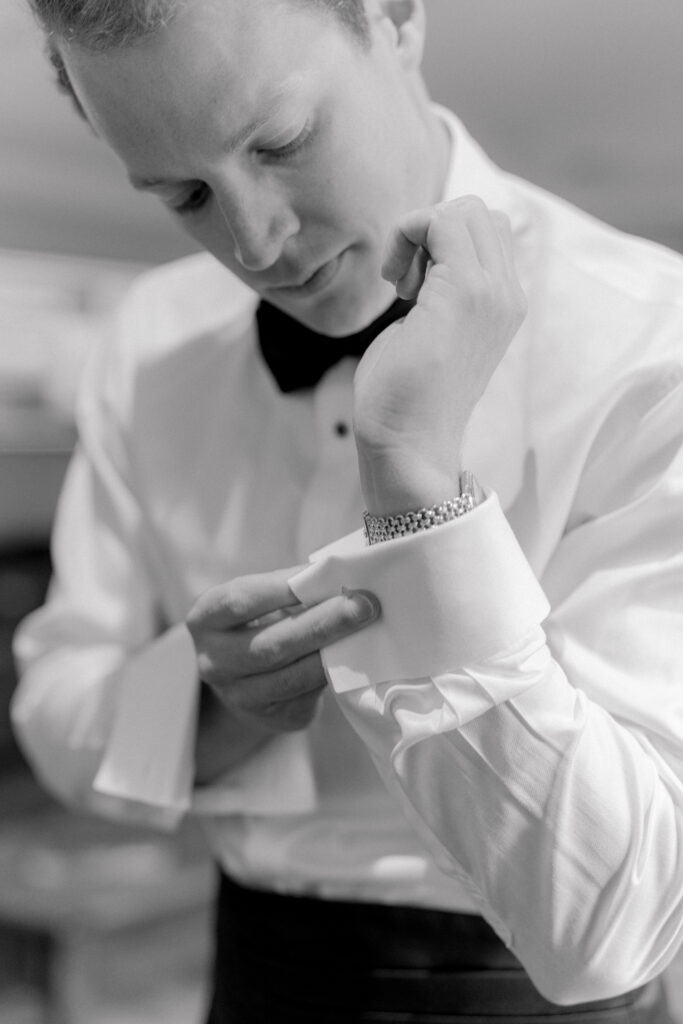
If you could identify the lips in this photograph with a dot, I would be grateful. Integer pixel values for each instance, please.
(313, 282)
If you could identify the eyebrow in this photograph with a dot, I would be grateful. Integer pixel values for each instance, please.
(241, 136)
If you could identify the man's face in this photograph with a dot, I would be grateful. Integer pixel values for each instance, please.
(284, 147)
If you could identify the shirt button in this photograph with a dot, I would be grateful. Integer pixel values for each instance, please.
(341, 429)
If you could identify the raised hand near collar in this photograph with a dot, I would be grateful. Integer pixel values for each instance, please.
(417, 385)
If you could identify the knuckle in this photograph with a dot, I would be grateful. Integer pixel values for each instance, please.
(471, 203)
(196, 618)
(235, 598)
(213, 670)
(298, 713)
(502, 220)
(443, 278)
(322, 627)
(446, 208)
(206, 668)
(266, 651)
(478, 296)
(208, 662)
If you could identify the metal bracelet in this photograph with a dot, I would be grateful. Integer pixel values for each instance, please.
(381, 528)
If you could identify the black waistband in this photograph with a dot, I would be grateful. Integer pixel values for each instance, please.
(292, 958)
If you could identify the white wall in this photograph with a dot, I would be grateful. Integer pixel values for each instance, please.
(583, 96)
(60, 189)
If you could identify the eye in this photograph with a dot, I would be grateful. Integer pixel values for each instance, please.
(196, 199)
(283, 152)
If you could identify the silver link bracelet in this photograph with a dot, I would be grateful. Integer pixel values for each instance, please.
(381, 528)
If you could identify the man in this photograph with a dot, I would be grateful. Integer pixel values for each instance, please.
(425, 806)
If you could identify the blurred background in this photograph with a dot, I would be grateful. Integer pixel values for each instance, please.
(106, 925)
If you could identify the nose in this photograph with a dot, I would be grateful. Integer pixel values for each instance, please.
(260, 219)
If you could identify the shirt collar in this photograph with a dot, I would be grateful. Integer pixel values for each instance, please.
(472, 172)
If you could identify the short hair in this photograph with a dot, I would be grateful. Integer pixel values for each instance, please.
(107, 24)
(100, 25)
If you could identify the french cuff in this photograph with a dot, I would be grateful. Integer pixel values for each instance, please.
(149, 758)
(453, 596)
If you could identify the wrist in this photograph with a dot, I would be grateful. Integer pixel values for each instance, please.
(392, 485)
(411, 521)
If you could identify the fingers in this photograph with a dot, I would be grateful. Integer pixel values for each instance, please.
(413, 232)
(491, 236)
(404, 241)
(460, 233)
(292, 715)
(274, 672)
(258, 648)
(255, 650)
(408, 286)
(285, 700)
(502, 222)
(293, 638)
(243, 599)
(264, 694)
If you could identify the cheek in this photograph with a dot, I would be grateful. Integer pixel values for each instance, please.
(371, 148)
(352, 178)
(357, 198)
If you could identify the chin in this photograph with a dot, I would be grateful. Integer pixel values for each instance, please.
(338, 316)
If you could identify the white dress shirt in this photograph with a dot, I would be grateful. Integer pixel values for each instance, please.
(508, 737)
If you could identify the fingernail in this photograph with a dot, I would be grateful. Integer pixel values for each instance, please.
(365, 605)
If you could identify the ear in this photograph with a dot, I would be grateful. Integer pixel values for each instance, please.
(408, 20)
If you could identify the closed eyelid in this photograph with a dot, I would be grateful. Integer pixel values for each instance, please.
(195, 198)
(272, 144)
(295, 142)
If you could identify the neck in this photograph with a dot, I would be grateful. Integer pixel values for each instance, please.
(436, 141)
(440, 143)
(445, 144)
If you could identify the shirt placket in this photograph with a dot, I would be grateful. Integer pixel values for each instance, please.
(332, 504)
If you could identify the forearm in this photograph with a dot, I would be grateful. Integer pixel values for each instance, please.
(552, 814)
(60, 718)
(103, 728)
(536, 774)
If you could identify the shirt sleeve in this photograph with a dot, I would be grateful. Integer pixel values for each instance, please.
(542, 762)
(106, 708)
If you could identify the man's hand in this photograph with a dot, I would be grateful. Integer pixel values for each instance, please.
(258, 650)
(418, 383)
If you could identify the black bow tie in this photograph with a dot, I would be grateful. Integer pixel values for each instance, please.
(298, 357)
